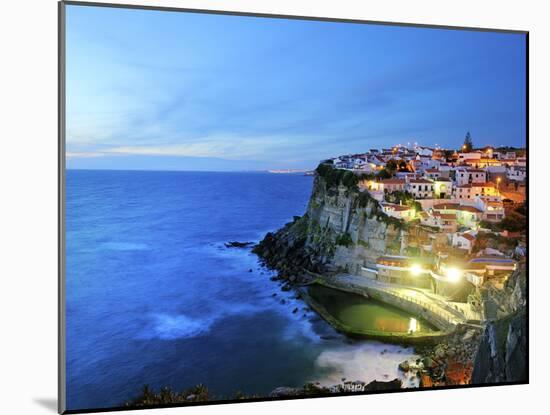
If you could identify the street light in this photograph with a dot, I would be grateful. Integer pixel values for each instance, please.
(453, 275)
(416, 269)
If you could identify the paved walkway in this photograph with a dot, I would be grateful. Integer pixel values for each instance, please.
(423, 297)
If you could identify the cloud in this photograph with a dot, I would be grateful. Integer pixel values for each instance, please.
(83, 154)
(276, 91)
(225, 147)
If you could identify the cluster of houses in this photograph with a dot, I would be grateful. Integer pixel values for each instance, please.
(456, 190)
(455, 194)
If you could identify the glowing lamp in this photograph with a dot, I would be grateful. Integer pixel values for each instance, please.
(416, 269)
(413, 325)
(453, 275)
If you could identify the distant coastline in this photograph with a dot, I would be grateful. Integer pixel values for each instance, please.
(292, 171)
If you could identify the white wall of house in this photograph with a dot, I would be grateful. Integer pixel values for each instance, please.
(468, 156)
(420, 190)
(443, 189)
(464, 176)
(468, 219)
(470, 193)
(462, 242)
(406, 215)
(516, 174)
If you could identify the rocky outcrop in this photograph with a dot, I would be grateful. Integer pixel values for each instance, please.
(502, 352)
(449, 362)
(499, 303)
(342, 229)
(237, 244)
(312, 389)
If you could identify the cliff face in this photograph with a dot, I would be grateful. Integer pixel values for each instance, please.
(342, 229)
(502, 353)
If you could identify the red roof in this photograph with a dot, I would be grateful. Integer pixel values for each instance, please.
(469, 237)
(399, 208)
(469, 209)
(470, 170)
(421, 181)
(446, 206)
(447, 216)
(393, 181)
(470, 185)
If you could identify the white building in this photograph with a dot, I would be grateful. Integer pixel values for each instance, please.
(420, 188)
(474, 155)
(464, 240)
(492, 208)
(424, 151)
(406, 213)
(406, 175)
(443, 188)
(468, 175)
(473, 190)
(465, 215)
(447, 222)
(432, 174)
(517, 173)
(385, 185)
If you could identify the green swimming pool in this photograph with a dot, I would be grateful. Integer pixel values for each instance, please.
(364, 314)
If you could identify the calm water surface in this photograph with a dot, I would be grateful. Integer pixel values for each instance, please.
(367, 314)
(154, 297)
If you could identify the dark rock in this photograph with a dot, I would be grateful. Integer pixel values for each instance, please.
(295, 310)
(502, 353)
(286, 287)
(376, 385)
(236, 244)
(284, 391)
(404, 366)
(428, 362)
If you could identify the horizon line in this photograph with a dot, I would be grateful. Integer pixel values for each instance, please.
(290, 171)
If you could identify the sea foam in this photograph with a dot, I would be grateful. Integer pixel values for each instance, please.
(364, 362)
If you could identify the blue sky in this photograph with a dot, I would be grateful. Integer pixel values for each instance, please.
(164, 90)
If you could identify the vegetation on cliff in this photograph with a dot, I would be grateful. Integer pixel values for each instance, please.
(405, 198)
(166, 396)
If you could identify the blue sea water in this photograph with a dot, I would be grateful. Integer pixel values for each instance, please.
(154, 297)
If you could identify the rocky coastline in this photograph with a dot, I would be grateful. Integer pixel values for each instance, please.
(343, 227)
(200, 393)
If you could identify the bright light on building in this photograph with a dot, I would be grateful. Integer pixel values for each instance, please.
(453, 274)
(416, 269)
(413, 325)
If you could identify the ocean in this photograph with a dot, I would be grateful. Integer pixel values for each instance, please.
(154, 297)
